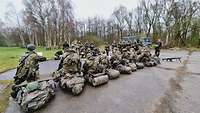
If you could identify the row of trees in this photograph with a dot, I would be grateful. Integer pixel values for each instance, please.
(51, 22)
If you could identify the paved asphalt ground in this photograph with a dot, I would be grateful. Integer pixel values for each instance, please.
(171, 87)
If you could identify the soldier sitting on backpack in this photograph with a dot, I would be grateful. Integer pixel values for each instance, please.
(107, 48)
(69, 72)
(103, 60)
(132, 55)
(28, 69)
(92, 66)
(70, 62)
(125, 56)
(115, 58)
(65, 49)
(144, 55)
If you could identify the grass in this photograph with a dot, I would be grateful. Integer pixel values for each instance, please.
(9, 56)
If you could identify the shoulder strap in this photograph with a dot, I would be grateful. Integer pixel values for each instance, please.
(61, 62)
(23, 60)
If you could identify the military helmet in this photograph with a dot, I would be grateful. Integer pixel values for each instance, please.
(31, 47)
(65, 45)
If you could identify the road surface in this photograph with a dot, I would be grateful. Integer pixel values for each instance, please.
(172, 87)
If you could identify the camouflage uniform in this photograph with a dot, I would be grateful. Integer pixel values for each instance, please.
(107, 49)
(114, 45)
(145, 57)
(68, 73)
(92, 65)
(28, 68)
(115, 58)
(132, 55)
(33, 95)
(104, 61)
(94, 72)
(71, 62)
(125, 56)
(125, 62)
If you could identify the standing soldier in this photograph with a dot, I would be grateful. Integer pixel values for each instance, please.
(28, 69)
(158, 47)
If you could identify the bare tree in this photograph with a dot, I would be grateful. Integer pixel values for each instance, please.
(12, 13)
(119, 17)
(129, 21)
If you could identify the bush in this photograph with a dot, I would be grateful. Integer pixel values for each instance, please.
(92, 39)
(193, 42)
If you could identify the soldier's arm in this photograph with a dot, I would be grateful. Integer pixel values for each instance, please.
(40, 58)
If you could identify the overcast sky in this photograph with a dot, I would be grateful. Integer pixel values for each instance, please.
(82, 8)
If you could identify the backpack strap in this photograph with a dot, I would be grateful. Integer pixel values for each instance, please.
(22, 62)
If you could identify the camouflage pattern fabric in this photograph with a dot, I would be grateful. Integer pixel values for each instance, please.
(112, 73)
(95, 72)
(28, 68)
(124, 69)
(74, 83)
(68, 75)
(35, 99)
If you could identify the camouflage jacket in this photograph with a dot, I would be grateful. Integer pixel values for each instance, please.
(70, 63)
(93, 67)
(29, 64)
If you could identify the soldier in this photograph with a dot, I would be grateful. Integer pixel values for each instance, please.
(158, 47)
(28, 69)
(68, 74)
(65, 49)
(94, 72)
(126, 58)
(92, 46)
(125, 55)
(76, 45)
(145, 58)
(132, 55)
(103, 60)
(114, 44)
(91, 65)
(71, 63)
(115, 58)
(143, 55)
